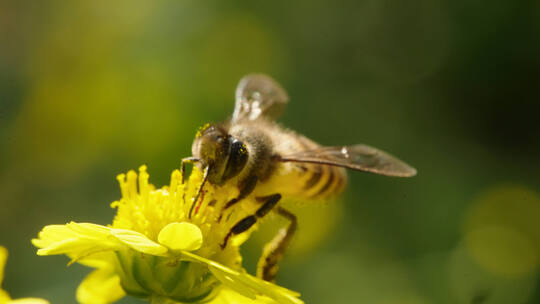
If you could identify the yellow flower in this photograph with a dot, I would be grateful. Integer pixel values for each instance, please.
(4, 296)
(155, 250)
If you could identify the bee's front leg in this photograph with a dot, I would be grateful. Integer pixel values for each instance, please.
(273, 252)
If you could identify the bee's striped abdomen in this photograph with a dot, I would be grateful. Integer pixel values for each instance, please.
(324, 181)
(316, 174)
(303, 180)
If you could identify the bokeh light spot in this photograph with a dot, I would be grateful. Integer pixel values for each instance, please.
(470, 281)
(502, 251)
(502, 230)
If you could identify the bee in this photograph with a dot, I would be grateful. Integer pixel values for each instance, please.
(252, 152)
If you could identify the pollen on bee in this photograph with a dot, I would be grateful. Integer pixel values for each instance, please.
(202, 129)
(243, 149)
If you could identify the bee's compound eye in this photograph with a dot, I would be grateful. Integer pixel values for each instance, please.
(237, 159)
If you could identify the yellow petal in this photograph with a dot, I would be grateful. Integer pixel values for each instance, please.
(75, 239)
(28, 301)
(100, 287)
(90, 230)
(275, 292)
(245, 284)
(105, 259)
(4, 297)
(51, 234)
(3, 258)
(181, 236)
(228, 296)
(138, 241)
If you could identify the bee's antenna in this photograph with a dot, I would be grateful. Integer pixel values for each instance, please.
(199, 191)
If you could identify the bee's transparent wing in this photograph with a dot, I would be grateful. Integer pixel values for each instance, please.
(259, 95)
(357, 157)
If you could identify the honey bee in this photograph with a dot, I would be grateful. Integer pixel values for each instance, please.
(264, 160)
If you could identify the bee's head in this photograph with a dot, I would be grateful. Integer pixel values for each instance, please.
(223, 154)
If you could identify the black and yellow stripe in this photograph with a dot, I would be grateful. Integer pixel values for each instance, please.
(325, 181)
(316, 174)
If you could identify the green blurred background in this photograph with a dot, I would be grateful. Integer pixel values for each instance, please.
(92, 89)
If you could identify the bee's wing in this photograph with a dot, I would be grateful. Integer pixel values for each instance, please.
(259, 95)
(357, 157)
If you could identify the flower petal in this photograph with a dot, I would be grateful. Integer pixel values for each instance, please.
(181, 236)
(29, 301)
(4, 296)
(3, 258)
(52, 234)
(229, 296)
(105, 259)
(245, 284)
(75, 239)
(100, 287)
(90, 230)
(138, 241)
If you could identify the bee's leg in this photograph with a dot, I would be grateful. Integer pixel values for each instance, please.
(273, 252)
(246, 187)
(247, 222)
